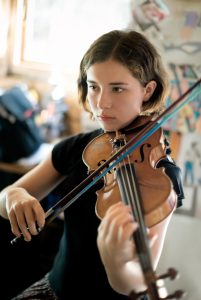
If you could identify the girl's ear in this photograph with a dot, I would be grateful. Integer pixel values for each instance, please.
(149, 89)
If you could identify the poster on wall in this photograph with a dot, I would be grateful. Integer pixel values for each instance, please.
(188, 118)
(174, 27)
(189, 160)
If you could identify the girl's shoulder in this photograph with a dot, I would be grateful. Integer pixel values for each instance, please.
(78, 139)
(68, 151)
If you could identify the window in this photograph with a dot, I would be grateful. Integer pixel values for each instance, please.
(54, 34)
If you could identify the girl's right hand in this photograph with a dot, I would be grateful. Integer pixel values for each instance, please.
(25, 213)
(114, 236)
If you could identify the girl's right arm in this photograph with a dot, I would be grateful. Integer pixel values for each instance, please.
(117, 248)
(20, 204)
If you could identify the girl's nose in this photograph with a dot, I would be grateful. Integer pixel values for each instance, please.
(104, 101)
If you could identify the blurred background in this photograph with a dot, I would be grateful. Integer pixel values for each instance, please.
(41, 45)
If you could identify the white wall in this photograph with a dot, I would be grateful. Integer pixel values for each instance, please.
(182, 250)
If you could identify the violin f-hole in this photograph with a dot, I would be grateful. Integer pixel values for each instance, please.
(142, 156)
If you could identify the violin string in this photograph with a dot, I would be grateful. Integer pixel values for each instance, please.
(124, 181)
(133, 200)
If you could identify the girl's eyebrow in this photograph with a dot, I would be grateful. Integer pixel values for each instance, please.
(111, 83)
(118, 83)
(91, 81)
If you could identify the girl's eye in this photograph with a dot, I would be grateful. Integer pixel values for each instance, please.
(92, 87)
(117, 89)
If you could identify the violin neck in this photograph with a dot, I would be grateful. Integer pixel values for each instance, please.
(130, 195)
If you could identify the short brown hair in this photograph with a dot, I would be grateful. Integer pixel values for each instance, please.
(133, 50)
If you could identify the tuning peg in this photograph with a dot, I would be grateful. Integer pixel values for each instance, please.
(177, 295)
(171, 273)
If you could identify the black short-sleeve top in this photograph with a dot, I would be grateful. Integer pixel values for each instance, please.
(77, 271)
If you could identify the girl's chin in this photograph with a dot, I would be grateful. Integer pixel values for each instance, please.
(106, 126)
(109, 129)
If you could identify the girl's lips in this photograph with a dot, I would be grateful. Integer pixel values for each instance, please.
(105, 117)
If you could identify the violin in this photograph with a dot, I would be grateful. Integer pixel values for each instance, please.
(135, 181)
(142, 163)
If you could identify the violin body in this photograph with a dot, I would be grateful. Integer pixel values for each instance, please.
(156, 191)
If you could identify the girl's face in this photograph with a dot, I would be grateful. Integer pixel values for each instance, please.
(114, 95)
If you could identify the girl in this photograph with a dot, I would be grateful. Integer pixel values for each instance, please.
(121, 77)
